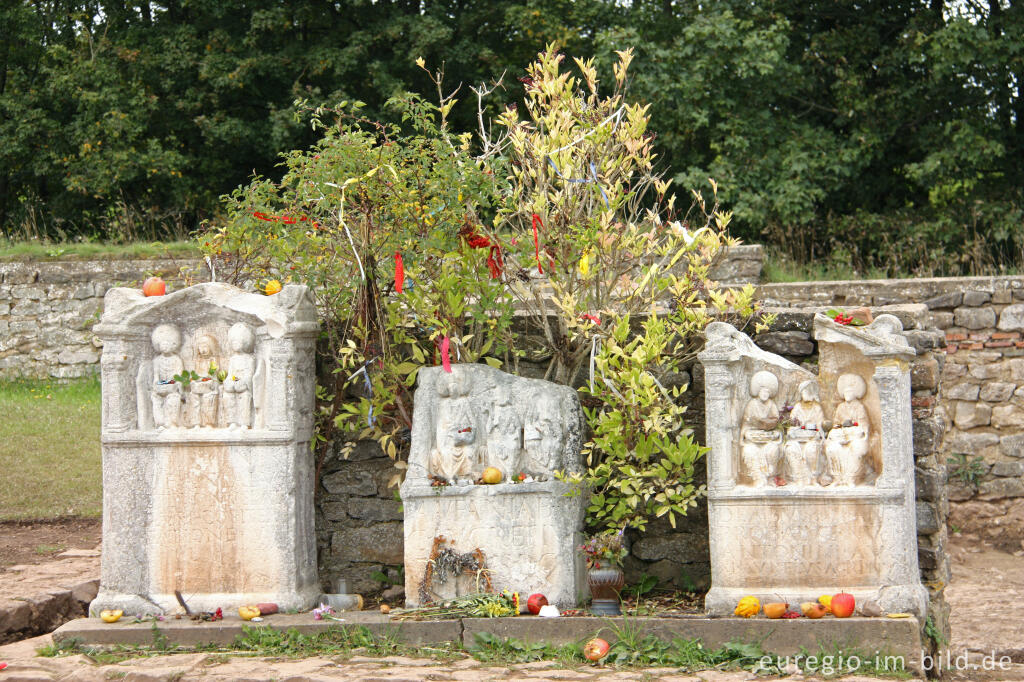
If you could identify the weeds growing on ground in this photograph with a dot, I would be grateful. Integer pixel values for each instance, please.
(631, 647)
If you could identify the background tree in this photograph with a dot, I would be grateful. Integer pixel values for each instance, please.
(880, 134)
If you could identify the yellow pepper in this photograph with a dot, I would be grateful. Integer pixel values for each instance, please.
(748, 607)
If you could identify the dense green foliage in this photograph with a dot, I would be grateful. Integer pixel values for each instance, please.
(877, 133)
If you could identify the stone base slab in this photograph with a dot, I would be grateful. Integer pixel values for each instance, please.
(896, 599)
(156, 604)
(853, 636)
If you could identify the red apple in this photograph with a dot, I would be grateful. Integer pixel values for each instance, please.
(536, 601)
(596, 649)
(154, 286)
(843, 605)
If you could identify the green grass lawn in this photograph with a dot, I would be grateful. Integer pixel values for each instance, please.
(50, 462)
(43, 251)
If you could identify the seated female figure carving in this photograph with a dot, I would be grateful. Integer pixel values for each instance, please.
(237, 391)
(760, 443)
(847, 444)
(804, 437)
(166, 392)
(455, 441)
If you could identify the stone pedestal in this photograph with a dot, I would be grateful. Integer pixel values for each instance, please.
(796, 508)
(529, 534)
(208, 481)
(521, 534)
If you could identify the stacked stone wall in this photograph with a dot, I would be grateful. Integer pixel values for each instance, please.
(47, 311)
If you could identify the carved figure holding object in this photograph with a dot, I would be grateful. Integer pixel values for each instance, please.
(803, 446)
(201, 404)
(543, 438)
(239, 385)
(504, 435)
(760, 443)
(847, 444)
(456, 439)
(166, 392)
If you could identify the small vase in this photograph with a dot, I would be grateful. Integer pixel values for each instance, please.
(605, 584)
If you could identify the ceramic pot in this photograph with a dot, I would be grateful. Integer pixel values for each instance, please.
(605, 584)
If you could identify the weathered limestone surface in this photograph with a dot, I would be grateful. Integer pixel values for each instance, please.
(792, 517)
(208, 484)
(528, 532)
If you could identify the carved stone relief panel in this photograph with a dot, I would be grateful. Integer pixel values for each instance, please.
(208, 395)
(478, 417)
(525, 529)
(810, 477)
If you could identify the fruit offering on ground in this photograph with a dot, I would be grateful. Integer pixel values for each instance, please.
(812, 609)
(491, 476)
(248, 612)
(111, 615)
(748, 607)
(273, 287)
(535, 602)
(826, 601)
(596, 649)
(843, 605)
(154, 286)
(775, 609)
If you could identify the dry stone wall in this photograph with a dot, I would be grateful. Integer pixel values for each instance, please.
(47, 311)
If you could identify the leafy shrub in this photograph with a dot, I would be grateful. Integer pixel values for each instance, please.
(345, 213)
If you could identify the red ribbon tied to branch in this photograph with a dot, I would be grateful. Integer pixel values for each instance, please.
(592, 318)
(446, 362)
(536, 241)
(287, 220)
(399, 272)
(494, 262)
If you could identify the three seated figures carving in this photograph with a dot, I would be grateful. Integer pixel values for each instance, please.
(217, 398)
(797, 450)
(471, 437)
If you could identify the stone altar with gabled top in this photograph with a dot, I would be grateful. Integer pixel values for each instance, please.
(207, 470)
(521, 535)
(811, 478)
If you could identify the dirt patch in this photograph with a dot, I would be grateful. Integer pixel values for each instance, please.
(35, 542)
(999, 524)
